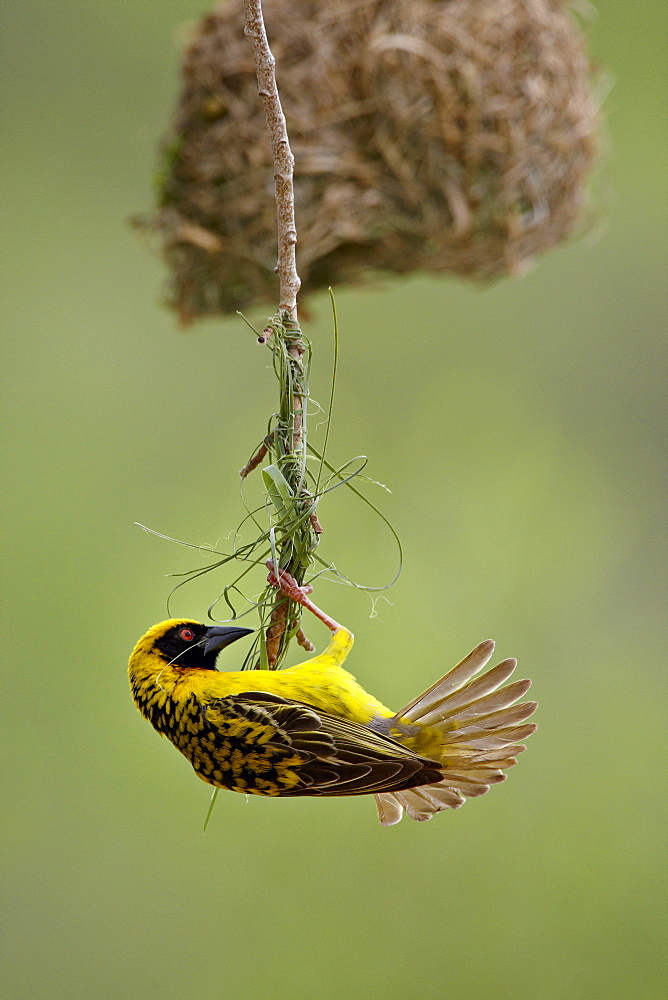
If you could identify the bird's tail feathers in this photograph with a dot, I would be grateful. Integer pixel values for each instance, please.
(473, 727)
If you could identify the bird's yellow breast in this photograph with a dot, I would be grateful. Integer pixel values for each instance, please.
(326, 688)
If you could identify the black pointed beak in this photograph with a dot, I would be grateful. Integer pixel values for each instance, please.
(220, 636)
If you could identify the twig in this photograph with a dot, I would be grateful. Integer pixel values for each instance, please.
(284, 164)
(258, 457)
(304, 641)
(283, 159)
(292, 447)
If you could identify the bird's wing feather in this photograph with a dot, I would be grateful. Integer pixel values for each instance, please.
(335, 756)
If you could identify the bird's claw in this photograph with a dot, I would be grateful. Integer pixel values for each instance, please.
(287, 583)
(289, 586)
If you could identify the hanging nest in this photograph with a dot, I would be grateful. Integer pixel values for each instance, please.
(441, 136)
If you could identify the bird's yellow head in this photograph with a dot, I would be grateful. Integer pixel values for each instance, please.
(181, 642)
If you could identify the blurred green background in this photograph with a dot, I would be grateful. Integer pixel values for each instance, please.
(519, 429)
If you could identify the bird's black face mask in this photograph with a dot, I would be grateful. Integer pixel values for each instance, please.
(193, 645)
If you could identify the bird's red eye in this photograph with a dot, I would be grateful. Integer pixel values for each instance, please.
(187, 634)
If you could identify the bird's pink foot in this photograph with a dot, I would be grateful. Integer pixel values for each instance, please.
(287, 583)
(289, 586)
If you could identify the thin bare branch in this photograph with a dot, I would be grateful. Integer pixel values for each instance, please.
(283, 159)
(290, 445)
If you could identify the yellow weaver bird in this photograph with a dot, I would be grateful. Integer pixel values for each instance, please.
(312, 730)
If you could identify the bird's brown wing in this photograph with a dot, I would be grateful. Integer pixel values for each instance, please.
(326, 754)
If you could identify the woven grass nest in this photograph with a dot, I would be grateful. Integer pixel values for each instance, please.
(442, 136)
